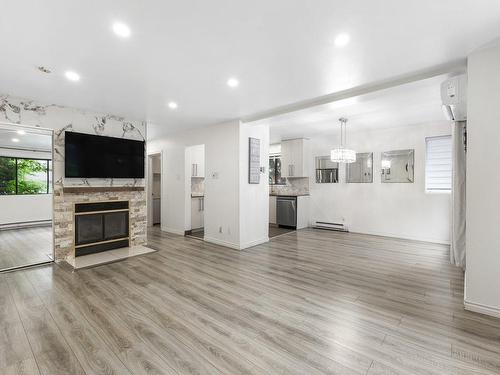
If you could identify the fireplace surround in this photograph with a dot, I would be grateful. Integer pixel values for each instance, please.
(101, 226)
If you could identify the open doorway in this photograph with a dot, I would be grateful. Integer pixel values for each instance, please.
(195, 163)
(154, 189)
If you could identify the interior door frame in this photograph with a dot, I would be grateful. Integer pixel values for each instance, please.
(149, 185)
(10, 125)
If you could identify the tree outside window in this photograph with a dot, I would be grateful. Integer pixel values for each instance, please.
(24, 176)
(7, 176)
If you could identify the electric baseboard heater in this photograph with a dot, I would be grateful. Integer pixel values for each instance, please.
(339, 227)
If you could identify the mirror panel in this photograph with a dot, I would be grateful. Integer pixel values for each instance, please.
(361, 171)
(26, 235)
(397, 166)
(327, 171)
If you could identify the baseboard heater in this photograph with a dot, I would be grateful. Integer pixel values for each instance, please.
(339, 227)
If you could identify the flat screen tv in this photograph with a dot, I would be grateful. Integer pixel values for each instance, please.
(94, 156)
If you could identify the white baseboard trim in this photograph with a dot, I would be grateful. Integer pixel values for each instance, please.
(254, 243)
(482, 309)
(173, 230)
(236, 246)
(403, 237)
(216, 241)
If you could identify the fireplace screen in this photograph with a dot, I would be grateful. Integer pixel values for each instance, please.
(101, 226)
(89, 228)
(115, 225)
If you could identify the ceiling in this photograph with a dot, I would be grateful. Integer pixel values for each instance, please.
(29, 139)
(281, 51)
(408, 104)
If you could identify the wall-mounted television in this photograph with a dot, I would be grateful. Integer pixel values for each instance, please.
(95, 156)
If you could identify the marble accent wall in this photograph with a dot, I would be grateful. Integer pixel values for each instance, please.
(60, 119)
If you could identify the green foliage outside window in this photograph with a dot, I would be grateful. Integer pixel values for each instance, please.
(7, 175)
(24, 176)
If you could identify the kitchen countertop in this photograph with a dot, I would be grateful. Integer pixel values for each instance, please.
(288, 195)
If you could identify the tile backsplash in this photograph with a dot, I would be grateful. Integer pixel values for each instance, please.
(294, 186)
(197, 185)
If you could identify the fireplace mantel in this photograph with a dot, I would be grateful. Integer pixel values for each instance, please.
(99, 189)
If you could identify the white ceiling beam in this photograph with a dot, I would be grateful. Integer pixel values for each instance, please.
(453, 67)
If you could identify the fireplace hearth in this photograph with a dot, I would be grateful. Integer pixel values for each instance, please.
(101, 226)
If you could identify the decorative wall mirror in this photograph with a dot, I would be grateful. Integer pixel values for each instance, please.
(361, 171)
(327, 171)
(397, 166)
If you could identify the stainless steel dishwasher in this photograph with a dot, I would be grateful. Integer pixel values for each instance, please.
(286, 211)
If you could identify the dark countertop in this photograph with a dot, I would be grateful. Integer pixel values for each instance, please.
(288, 195)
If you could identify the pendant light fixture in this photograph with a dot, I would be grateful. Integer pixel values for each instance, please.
(343, 154)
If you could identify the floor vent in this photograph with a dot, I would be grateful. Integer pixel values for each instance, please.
(339, 227)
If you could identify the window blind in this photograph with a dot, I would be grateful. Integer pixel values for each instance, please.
(438, 163)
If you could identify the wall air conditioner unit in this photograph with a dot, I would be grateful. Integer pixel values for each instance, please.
(339, 227)
(454, 98)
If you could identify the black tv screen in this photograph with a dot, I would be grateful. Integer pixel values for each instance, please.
(95, 156)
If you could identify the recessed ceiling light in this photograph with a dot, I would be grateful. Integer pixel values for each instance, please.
(21, 132)
(122, 30)
(72, 76)
(15, 140)
(342, 40)
(172, 105)
(233, 82)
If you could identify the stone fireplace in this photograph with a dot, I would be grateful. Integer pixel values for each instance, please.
(94, 219)
(67, 191)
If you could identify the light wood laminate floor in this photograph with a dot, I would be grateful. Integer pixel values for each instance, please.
(25, 246)
(309, 302)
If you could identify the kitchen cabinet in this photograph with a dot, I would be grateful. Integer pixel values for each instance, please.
(294, 158)
(197, 212)
(302, 212)
(198, 161)
(272, 209)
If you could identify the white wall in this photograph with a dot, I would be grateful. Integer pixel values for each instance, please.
(221, 182)
(397, 210)
(236, 213)
(254, 198)
(25, 208)
(482, 291)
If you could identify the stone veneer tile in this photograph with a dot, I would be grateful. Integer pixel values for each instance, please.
(64, 216)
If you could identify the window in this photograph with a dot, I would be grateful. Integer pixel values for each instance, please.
(275, 171)
(438, 164)
(25, 176)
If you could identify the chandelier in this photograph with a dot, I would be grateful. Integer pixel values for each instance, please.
(342, 154)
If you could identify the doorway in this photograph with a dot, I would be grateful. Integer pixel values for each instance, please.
(26, 188)
(195, 164)
(154, 189)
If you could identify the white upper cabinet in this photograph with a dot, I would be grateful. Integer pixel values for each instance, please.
(294, 154)
(198, 161)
